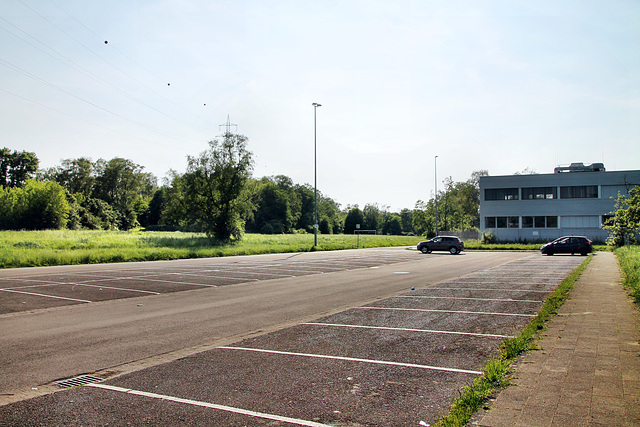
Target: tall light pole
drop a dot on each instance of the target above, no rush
(315, 176)
(435, 168)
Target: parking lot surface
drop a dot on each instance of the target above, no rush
(398, 361)
(37, 288)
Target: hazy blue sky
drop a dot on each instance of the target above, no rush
(496, 85)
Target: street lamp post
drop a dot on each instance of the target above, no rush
(315, 176)
(435, 161)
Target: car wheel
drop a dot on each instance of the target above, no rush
(425, 250)
(453, 250)
(549, 253)
(583, 253)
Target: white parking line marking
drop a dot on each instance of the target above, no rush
(209, 405)
(488, 289)
(235, 271)
(466, 298)
(386, 328)
(446, 311)
(44, 295)
(86, 285)
(182, 283)
(353, 359)
(110, 287)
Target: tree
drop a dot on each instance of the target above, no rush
(277, 206)
(122, 183)
(16, 167)
(392, 225)
(624, 223)
(307, 211)
(372, 217)
(354, 217)
(406, 218)
(216, 183)
(76, 175)
(175, 212)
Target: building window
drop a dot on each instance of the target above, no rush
(579, 192)
(502, 222)
(539, 222)
(581, 221)
(501, 194)
(533, 193)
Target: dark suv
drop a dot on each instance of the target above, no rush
(451, 244)
(568, 245)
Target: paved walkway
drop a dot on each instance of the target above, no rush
(587, 369)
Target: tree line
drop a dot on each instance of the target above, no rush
(216, 194)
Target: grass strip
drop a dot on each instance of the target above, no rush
(629, 261)
(65, 247)
(496, 370)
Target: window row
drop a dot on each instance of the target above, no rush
(536, 193)
(527, 222)
(573, 221)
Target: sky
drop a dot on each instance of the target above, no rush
(496, 85)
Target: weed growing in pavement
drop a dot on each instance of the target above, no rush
(495, 371)
(629, 260)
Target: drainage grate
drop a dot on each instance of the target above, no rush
(78, 381)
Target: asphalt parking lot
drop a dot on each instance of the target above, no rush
(392, 362)
(38, 288)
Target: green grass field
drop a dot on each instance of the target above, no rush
(63, 247)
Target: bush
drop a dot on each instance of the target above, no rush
(35, 206)
(489, 238)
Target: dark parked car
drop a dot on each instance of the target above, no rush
(451, 244)
(568, 245)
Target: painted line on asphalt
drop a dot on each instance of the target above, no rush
(473, 299)
(446, 311)
(110, 287)
(235, 271)
(185, 283)
(45, 295)
(353, 359)
(488, 289)
(386, 328)
(209, 405)
(40, 285)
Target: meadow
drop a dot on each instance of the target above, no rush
(64, 247)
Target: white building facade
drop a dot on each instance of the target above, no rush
(573, 200)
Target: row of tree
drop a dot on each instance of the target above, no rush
(216, 194)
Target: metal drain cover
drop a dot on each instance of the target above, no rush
(78, 381)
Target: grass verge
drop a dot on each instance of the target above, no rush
(496, 370)
(64, 247)
(629, 260)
